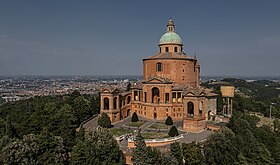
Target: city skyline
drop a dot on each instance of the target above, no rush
(237, 38)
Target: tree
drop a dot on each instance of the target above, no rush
(104, 121)
(167, 159)
(134, 117)
(192, 154)
(220, 149)
(81, 108)
(153, 155)
(95, 104)
(98, 147)
(168, 121)
(139, 153)
(173, 131)
(34, 149)
(176, 152)
(276, 125)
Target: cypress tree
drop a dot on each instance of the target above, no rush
(173, 131)
(168, 121)
(134, 117)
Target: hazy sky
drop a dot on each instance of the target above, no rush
(64, 37)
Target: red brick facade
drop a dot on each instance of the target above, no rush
(170, 88)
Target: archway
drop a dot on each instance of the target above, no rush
(155, 95)
(209, 115)
(115, 103)
(128, 113)
(105, 103)
(128, 99)
(190, 109)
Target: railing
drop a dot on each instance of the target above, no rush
(160, 140)
(81, 125)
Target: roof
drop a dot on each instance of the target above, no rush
(170, 37)
(170, 55)
(194, 90)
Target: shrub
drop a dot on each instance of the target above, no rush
(173, 131)
(134, 117)
(104, 121)
(168, 121)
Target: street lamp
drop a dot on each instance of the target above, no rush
(270, 107)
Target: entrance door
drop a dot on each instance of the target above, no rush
(128, 113)
(155, 113)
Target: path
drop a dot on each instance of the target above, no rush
(146, 125)
(91, 124)
(190, 137)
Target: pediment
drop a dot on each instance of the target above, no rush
(157, 80)
(105, 91)
(190, 94)
(116, 91)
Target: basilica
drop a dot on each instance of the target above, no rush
(170, 87)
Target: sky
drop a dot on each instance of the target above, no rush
(109, 37)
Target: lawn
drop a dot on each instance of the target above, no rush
(154, 135)
(158, 126)
(135, 124)
(119, 131)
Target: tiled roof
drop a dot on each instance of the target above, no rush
(194, 90)
(170, 55)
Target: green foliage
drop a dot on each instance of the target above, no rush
(173, 131)
(104, 121)
(34, 149)
(139, 153)
(176, 152)
(168, 121)
(95, 104)
(192, 154)
(134, 117)
(257, 144)
(220, 149)
(81, 108)
(98, 147)
(167, 159)
(276, 125)
(143, 155)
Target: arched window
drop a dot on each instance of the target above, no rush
(190, 109)
(115, 103)
(200, 108)
(155, 95)
(159, 67)
(106, 103)
(128, 99)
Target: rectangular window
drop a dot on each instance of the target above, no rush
(145, 96)
(179, 96)
(166, 109)
(175, 49)
(166, 97)
(135, 95)
(166, 49)
(173, 97)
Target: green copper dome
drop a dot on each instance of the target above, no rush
(170, 37)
